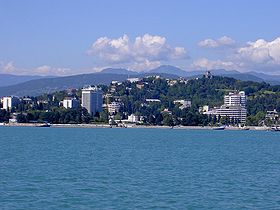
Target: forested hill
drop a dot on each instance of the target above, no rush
(203, 91)
(261, 96)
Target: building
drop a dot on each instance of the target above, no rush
(171, 82)
(151, 100)
(69, 103)
(9, 102)
(134, 79)
(92, 99)
(235, 98)
(114, 107)
(166, 111)
(272, 115)
(140, 85)
(183, 103)
(208, 75)
(133, 118)
(234, 108)
(235, 112)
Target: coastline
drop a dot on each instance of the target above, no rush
(256, 128)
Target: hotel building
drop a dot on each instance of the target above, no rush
(92, 99)
(9, 102)
(234, 107)
(69, 103)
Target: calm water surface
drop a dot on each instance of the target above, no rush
(76, 168)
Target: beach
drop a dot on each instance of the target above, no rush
(257, 128)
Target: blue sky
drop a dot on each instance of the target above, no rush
(58, 36)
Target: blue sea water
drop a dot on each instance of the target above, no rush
(78, 168)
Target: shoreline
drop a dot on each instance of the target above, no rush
(255, 128)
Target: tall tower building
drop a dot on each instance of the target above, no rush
(234, 107)
(92, 99)
(235, 99)
(9, 102)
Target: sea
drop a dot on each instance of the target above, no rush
(141, 168)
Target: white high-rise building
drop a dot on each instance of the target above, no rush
(234, 107)
(9, 102)
(92, 99)
(69, 103)
(235, 99)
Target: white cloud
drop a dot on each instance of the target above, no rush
(215, 43)
(10, 68)
(261, 52)
(48, 70)
(7, 68)
(142, 52)
(260, 55)
(204, 63)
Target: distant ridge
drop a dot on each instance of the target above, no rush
(10, 79)
(118, 71)
(47, 85)
(167, 69)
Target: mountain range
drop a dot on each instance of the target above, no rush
(10, 79)
(36, 85)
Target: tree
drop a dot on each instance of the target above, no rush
(168, 120)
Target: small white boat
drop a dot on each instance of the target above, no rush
(275, 128)
(261, 128)
(219, 128)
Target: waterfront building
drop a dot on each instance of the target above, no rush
(133, 118)
(114, 107)
(92, 99)
(235, 112)
(234, 107)
(69, 103)
(272, 115)
(9, 102)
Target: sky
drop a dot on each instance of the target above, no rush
(66, 37)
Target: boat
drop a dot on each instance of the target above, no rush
(275, 128)
(219, 128)
(261, 128)
(244, 128)
(45, 125)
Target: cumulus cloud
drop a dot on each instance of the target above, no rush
(142, 52)
(215, 43)
(261, 52)
(259, 55)
(204, 63)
